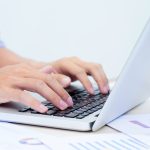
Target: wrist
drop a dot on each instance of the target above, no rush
(34, 63)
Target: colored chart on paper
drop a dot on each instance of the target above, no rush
(140, 124)
(118, 143)
(132, 124)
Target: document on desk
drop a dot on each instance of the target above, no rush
(99, 142)
(132, 124)
(14, 137)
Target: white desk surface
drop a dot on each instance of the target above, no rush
(141, 109)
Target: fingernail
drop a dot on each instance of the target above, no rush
(69, 101)
(43, 108)
(62, 105)
(106, 89)
(91, 90)
(66, 81)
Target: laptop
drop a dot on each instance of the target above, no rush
(90, 113)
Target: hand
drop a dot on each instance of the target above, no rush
(64, 80)
(16, 80)
(78, 69)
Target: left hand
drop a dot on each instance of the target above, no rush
(77, 69)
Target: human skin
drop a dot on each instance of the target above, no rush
(49, 79)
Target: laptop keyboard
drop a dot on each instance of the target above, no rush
(84, 105)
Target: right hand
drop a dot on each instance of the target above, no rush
(17, 80)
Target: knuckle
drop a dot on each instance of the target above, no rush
(40, 83)
(51, 79)
(52, 75)
(80, 72)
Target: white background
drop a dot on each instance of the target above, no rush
(103, 31)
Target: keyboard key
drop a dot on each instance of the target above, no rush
(84, 104)
(78, 111)
(94, 109)
(85, 114)
(90, 111)
(51, 112)
(59, 114)
(50, 106)
(100, 106)
(25, 109)
(80, 116)
(34, 112)
(71, 115)
(64, 112)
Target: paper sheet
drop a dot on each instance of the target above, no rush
(132, 124)
(99, 142)
(14, 137)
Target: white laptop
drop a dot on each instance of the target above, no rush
(90, 113)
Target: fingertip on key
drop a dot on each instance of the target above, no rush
(70, 102)
(43, 108)
(62, 105)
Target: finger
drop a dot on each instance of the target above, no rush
(62, 79)
(52, 83)
(97, 72)
(83, 78)
(65, 81)
(28, 100)
(80, 74)
(42, 88)
(48, 69)
(58, 88)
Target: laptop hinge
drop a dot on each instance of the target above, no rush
(91, 124)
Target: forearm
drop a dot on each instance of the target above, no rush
(8, 57)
